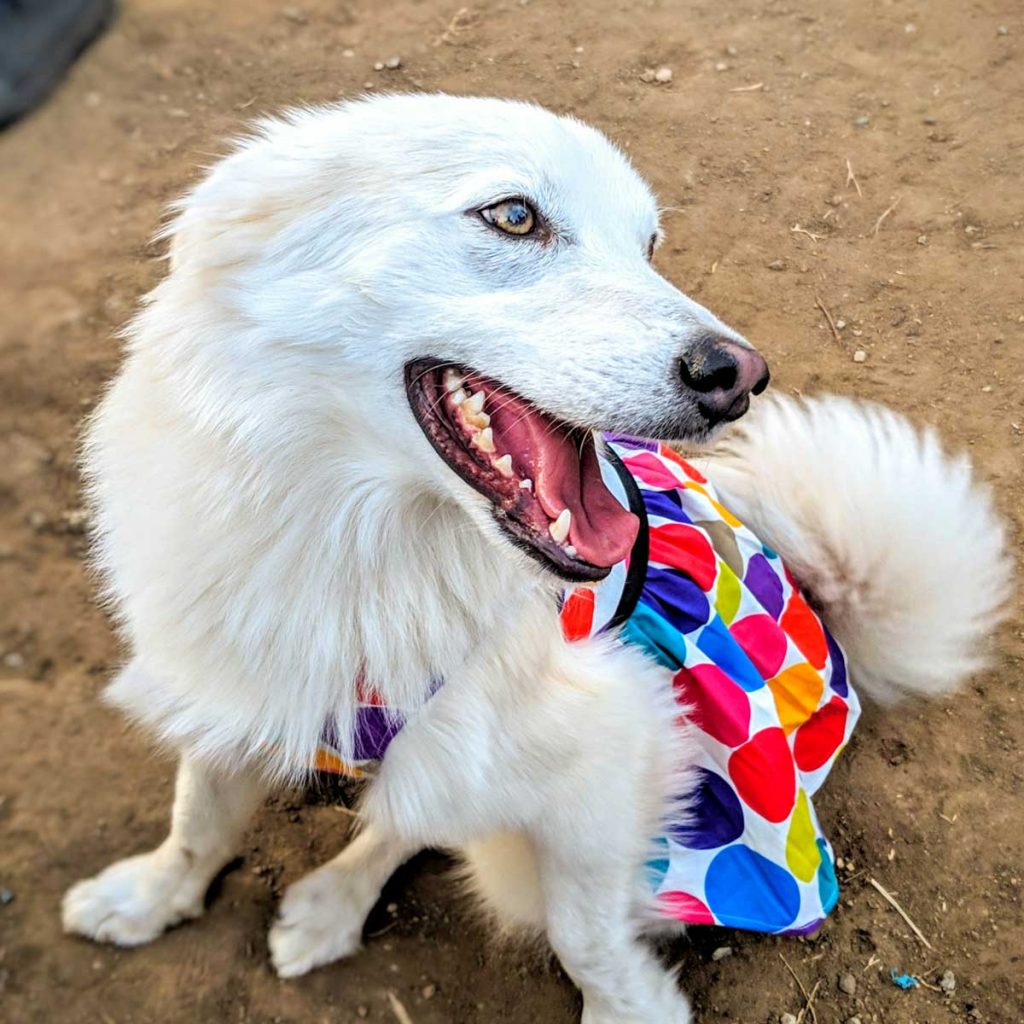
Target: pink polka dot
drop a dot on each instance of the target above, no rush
(818, 739)
(763, 773)
(718, 705)
(648, 468)
(683, 907)
(763, 641)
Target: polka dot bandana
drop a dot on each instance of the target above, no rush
(768, 691)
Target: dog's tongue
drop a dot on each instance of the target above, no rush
(566, 477)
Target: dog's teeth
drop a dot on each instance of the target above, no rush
(458, 396)
(504, 465)
(526, 484)
(479, 420)
(559, 529)
(452, 380)
(484, 440)
(474, 404)
(570, 551)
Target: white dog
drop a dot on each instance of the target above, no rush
(294, 503)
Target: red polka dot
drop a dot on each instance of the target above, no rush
(718, 705)
(683, 907)
(675, 457)
(805, 628)
(578, 614)
(763, 773)
(762, 640)
(821, 735)
(684, 547)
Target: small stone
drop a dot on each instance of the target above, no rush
(731, 51)
(348, 53)
(853, 1020)
(863, 121)
(947, 982)
(378, 66)
(787, 1018)
(428, 991)
(362, 1011)
(663, 75)
(987, 389)
(922, 239)
(721, 953)
(1003, 30)
(393, 63)
(721, 66)
(14, 660)
(296, 14)
(777, 265)
(848, 984)
(840, 324)
(930, 120)
(38, 521)
(6, 896)
(647, 75)
(860, 356)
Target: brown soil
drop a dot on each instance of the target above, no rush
(928, 799)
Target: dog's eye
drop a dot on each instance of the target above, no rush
(513, 216)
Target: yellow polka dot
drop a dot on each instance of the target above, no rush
(729, 593)
(797, 691)
(802, 853)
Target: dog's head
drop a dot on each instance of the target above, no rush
(465, 286)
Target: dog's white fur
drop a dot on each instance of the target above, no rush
(271, 522)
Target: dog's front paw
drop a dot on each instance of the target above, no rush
(320, 921)
(133, 901)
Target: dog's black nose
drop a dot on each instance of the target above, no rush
(724, 373)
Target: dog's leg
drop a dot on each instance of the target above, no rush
(321, 916)
(134, 900)
(583, 761)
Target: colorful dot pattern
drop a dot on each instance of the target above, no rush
(758, 674)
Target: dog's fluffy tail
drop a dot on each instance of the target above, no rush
(895, 540)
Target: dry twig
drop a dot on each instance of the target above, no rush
(797, 230)
(850, 176)
(891, 900)
(828, 316)
(808, 996)
(748, 88)
(885, 213)
(455, 26)
(400, 1012)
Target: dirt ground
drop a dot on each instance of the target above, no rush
(865, 156)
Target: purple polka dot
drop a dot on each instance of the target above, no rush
(764, 583)
(838, 678)
(715, 816)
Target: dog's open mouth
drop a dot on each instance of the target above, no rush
(541, 475)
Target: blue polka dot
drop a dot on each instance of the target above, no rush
(828, 887)
(721, 648)
(657, 866)
(655, 637)
(666, 504)
(746, 890)
(715, 816)
(677, 598)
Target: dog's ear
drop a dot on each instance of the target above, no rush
(245, 200)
